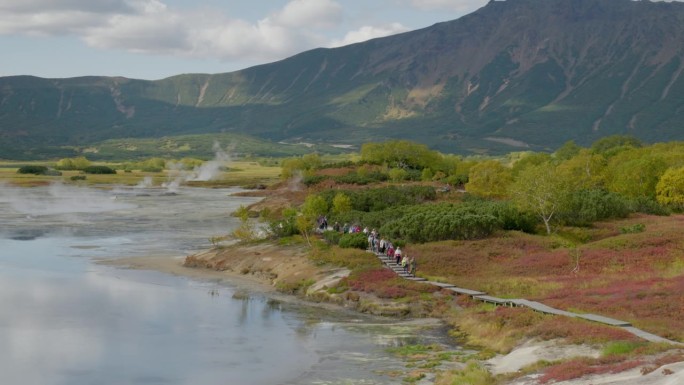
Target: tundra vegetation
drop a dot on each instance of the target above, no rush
(593, 230)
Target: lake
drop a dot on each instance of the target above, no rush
(65, 319)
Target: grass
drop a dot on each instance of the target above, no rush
(241, 173)
(473, 374)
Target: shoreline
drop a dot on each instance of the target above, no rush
(173, 265)
(528, 353)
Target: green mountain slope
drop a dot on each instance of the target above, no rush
(514, 74)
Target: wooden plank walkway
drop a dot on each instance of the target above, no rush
(536, 306)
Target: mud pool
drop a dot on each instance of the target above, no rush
(65, 319)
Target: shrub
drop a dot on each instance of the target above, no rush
(99, 170)
(648, 206)
(635, 228)
(332, 237)
(382, 198)
(587, 206)
(472, 219)
(356, 240)
(37, 170)
(78, 177)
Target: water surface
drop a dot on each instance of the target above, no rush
(67, 320)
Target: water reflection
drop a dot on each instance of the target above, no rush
(65, 320)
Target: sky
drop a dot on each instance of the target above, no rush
(155, 39)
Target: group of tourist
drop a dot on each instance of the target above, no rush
(376, 244)
(379, 245)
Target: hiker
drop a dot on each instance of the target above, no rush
(397, 255)
(383, 245)
(405, 264)
(390, 251)
(336, 227)
(345, 228)
(413, 265)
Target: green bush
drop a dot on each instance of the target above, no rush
(78, 177)
(37, 170)
(588, 206)
(378, 199)
(636, 228)
(356, 240)
(471, 219)
(311, 180)
(332, 237)
(648, 206)
(99, 170)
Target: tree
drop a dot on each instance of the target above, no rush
(489, 179)
(635, 173)
(530, 159)
(426, 175)
(539, 190)
(304, 165)
(314, 206)
(341, 204)
(401, 154)
(670, 188)
(585, 170)
(568, 150)
(246, 231)
(613, 144)
(398, 174)
(78, 163)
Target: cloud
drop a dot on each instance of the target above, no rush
(153, 27)
(368, 32)
(312, 13)
(451, 5)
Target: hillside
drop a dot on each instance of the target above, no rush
(516, 74)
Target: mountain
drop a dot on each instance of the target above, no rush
(515, 74)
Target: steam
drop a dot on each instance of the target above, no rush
(295, 183)
(145, 183)
(209, 170)
(60, 199)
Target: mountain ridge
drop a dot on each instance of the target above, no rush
(515, 74)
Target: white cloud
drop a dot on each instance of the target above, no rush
(452, 5)
(155, 27)
(368, 32)
(152, 27)
(309, 13)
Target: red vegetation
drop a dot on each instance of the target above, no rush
(633, 277)
(384, 283)
(585, 366)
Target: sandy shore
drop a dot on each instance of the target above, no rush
(174, 266)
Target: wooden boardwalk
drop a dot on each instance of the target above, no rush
(536, 306)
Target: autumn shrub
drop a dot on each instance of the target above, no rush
(384, 283)
(580, 367)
